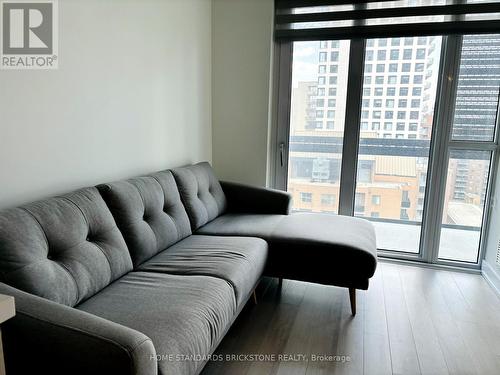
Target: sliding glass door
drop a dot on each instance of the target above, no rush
(424, 120)
(398, 99)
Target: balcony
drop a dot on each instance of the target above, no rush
(457, 242)
(397, 172)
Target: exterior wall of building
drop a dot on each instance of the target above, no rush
(398, 85)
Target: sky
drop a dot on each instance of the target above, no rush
(305, 62)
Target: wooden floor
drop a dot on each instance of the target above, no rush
(412, 320)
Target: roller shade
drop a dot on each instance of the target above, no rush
(322, 19)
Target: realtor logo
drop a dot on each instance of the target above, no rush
(29, 35)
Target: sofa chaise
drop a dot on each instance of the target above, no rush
(145, 276)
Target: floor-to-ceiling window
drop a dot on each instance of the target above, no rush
(471, 147)
(317, 114)
(398, 98)
(423, 116)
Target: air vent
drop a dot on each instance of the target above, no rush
(498, 254)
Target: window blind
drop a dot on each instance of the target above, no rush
(330, 19)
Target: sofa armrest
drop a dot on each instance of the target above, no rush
(256, 200)
(49, 338)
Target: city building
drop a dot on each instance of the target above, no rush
(397, 112)
(400, 78)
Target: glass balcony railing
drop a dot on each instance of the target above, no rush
(385, 167)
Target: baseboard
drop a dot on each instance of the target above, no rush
(491, 275)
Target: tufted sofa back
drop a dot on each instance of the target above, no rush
(64, 249)
(201, 193)
(149, 212)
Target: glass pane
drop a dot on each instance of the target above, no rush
(466, 185)
(319, 85)
(399, 91)
(478, 88)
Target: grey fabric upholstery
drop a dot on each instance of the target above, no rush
(149, 212)
(49, 338)
(248, 225)
(328, 249)
(256, 200)
(64, 249)
(98, 316)
(201, 193)
(183, 315)
(238, 260)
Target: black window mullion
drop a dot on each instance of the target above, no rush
(350, 148)
(438, 162)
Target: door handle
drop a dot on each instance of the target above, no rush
(282, 151)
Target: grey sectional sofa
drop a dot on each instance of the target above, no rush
(145, 276)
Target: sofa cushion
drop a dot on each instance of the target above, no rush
(253, 225)
(201, 193)
(64, 249)
(183, 315)
(329, 249)
(238, 260)
(149, 212)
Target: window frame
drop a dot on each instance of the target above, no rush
(440, 147)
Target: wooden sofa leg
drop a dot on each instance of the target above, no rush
(254, 297)
(352, 297)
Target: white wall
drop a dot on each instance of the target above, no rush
(132, 95)
(241, 65)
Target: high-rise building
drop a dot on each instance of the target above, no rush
(303, 107)
(474, 119)
(399, 86)
(477, 88)
(398, 99)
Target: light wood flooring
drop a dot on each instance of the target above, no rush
(412, 320)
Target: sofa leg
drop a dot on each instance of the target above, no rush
(280, 282)
(352, 297)
(254, 297)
